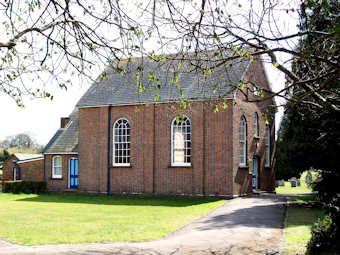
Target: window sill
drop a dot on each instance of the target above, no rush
(180, 166)
(56, 178)
(121, 166)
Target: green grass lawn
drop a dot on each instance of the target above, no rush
(46, 219)
(287, 189)
(298, 228)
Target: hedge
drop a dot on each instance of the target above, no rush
(27, 187)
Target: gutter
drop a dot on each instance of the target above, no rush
(109, 152)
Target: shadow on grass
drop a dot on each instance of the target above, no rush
(116, 200)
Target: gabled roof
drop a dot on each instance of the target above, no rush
(65, 139)
(118, 89)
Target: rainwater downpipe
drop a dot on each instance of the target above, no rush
(109, 152)
(44, 168)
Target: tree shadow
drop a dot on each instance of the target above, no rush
(252, 215)
(117, 200)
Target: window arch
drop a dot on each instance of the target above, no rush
(57, 170)
(256, 125)
(121, 143)
(181, 141)
(243, 141)
(267, 147)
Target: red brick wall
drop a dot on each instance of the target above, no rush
(57, 185)
(242, 179)
(7, 169)
(211, 168)
(32, 170)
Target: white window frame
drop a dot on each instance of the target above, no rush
(126, 145)
(267, 147)
(55, 166)
(186, 141)
(256, 125)
(14, 173)
(243, 141)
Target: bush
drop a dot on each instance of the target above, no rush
(324, 238)
(27, 187)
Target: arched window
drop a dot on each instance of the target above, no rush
(181, 142)
(243, 141)
(267, 147)
(256, 125)
(57, 170)
(121, 143)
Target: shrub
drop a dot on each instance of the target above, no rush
(324, 238)
(28, 187)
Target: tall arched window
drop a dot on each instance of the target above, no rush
(267, 147)
(57, 170)
(243, 141)
(181, 142)
(121, 143)
(256, 125)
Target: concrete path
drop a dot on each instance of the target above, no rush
(249, 225)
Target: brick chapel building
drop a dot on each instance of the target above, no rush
(120, 141)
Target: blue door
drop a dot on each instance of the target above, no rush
(254, 173)
(73, 173)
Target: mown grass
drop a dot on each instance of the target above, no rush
(52, 218)
(302, 189)
(304, 199)
(298, 228)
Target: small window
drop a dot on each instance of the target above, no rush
(267, 147)
(121, 143)
(57, 167)
(243, 141)
(256, 125)
(181, 142)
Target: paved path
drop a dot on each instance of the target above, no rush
(249, 225)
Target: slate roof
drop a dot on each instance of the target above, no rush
(65, 139)
(120, 89)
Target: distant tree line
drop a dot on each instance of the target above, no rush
(23, 143)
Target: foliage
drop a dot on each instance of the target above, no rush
(28, 187)
(20, 141)
(298, 228)
(57, 218)
(51, 42)
(4, 155)
(325, 238)
(311, 131)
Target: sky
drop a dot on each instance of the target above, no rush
(40, 118)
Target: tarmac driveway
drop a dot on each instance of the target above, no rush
(247, 225)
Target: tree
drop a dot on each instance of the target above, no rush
(20, 141)
(53, 41)
(310, 134)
